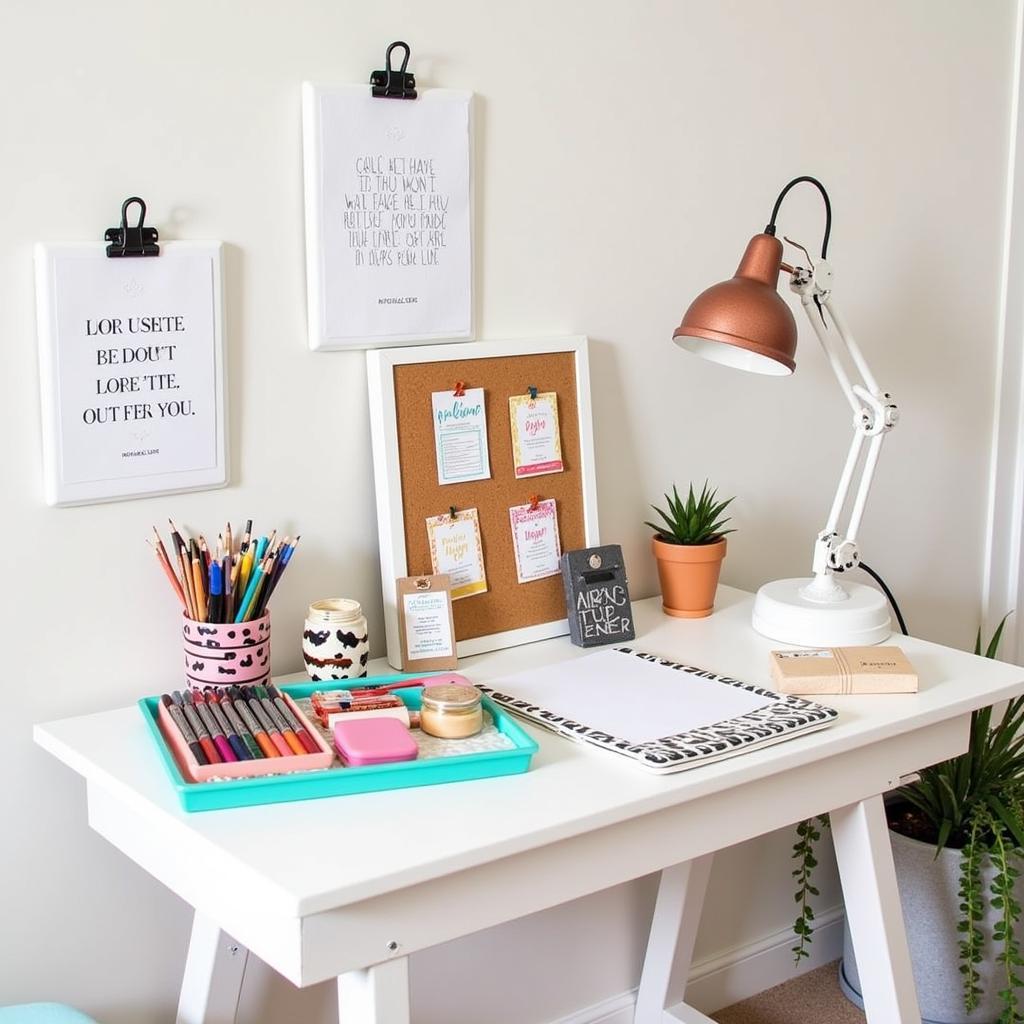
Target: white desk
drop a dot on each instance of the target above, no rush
(413, 868)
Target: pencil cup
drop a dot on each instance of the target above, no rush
(227, 653)
(335, 642)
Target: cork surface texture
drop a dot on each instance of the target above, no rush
(507, 604)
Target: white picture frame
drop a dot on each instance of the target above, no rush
(164, 457)
(445, 303)
(387, 471)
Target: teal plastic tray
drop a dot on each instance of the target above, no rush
(271, 789)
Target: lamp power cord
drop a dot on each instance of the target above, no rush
(888, 594)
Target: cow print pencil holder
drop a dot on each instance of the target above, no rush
(227, 653)
(335, 642)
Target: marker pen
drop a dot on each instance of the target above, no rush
(184, 730)
(279, 720)
(226, 727)
(267, 722)
(209, 747)
(259, 734)
(223, 747)
(239, 726)
(300, 730)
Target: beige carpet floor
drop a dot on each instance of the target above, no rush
(813, 998)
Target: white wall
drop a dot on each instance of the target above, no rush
(626, 151)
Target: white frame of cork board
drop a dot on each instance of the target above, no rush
(380, 365)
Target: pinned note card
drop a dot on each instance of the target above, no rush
(536, 541)
(536, 445)
(460, 435)
(425, 623)
(388, 216)
(131, 356)
(456, 549)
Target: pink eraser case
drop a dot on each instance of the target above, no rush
(373, 741)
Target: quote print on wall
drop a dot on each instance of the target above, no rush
(388, 217)
(131, 361)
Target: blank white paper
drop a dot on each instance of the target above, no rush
(626, 696)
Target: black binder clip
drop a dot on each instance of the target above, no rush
(398, 85)
(136, 241)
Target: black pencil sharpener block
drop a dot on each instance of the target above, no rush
(597, 596)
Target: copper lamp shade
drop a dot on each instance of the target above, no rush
(744, 322)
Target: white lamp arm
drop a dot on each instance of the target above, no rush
(874, 415)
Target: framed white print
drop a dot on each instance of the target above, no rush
(401, 384)
(131, 371)
(389, 216)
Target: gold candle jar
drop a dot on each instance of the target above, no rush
(451, 711)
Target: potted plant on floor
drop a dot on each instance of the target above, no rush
(957, 838)
(689, 549)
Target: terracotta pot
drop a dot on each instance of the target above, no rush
(689, 576)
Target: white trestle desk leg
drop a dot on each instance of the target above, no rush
(213, 975)
(680, 900)
(375, 995)
(873, 910)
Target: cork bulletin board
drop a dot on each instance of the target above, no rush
(401, 383)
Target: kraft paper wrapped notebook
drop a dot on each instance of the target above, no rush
(843, 670)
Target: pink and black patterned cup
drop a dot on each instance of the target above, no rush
(227, 653)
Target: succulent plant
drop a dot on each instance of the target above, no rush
(694, 521)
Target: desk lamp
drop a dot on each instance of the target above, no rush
(745, 323)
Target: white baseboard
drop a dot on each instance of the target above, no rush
(614, 1010)
(734, 975)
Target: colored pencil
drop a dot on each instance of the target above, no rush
(200, 589)
(286, 557)
(161, 553)
(228, 592)
(161, 557)
(248, 604)
(213, 613)
(221, 585)
(186, 570)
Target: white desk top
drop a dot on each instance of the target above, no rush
(313, 855)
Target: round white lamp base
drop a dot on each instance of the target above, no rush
(782, 612)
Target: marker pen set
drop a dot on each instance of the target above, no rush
(241, 723)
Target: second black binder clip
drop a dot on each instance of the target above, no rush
(136, 241)
(392, 84)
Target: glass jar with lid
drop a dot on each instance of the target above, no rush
(451, 711)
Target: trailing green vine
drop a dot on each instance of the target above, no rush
(972, 908)
(803, 853)
(1004, 931)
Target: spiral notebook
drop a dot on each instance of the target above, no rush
(665, 716)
